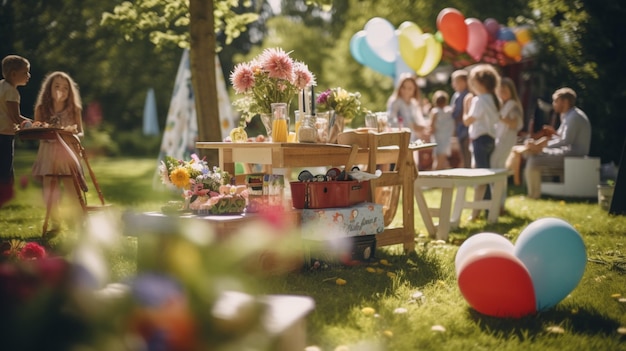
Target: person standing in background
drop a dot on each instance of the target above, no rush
(510, 123)
(59, 105)
(459, 84)
(16, 72)
(482, 117)
(442, 129)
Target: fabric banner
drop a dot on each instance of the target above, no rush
(181, 127)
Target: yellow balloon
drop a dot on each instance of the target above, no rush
(512, 49)
(411, 45)
(433, 54)
(522, 35)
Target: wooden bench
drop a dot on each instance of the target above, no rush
(459, 178)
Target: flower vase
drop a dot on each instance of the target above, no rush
(266, 118)
(335, 125)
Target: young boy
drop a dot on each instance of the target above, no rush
(16, 72)
(459, 84)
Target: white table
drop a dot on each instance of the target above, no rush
(459, 178)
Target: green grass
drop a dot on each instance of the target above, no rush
(589, 316)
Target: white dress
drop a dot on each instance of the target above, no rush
(506, 137)
(444, 130)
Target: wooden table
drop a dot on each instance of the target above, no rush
(293, 155)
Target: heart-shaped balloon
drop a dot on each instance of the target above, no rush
(496, 283)
(477, 38)
(451, 24)
(495, 276)
(364, 55)
(478, 242)
(554, 254)
(433, 54)
(411, 45)
(381, 38)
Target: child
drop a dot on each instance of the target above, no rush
(16, 72)
(442, 128)
(481, 119)
(59, 105)
(461, 91)
(511, 122)
(403, 110)
(403, 107)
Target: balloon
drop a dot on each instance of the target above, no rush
(496, 283)
(492, 26)
(512, 49)
(555, 256)
(522, 35)
(477, 38)
(478, 242)
(401, 67)
(530, 49)
(411, 45)
(354, 46)
(381, 38)
(451, 24)
(371, 60)
(433, 54)
(506, 34)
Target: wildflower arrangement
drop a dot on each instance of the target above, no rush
(271, 77)
(344, 103)
(193, 176)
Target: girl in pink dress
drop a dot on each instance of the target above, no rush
(58, 106)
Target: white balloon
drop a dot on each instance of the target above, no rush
(478, 242)
(381, 38)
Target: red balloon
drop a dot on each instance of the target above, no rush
(496, 283)
(451, 24)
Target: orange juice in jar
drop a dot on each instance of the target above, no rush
(280, 125)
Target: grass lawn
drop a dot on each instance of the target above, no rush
(399, 301)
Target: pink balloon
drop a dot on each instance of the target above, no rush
(492, 26)
(477, 38)
(496, 283)
(451, 24)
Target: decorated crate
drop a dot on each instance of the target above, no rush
(340, 251)
(329, 194)
(341, 235)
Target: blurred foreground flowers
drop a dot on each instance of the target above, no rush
(178, 298)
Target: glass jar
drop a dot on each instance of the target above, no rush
(307, 133)
(280, 122)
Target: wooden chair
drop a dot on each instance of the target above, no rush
(396, 178)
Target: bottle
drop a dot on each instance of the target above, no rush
(280, 123)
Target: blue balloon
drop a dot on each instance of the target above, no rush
(371, 59)
(554, 254)
(354, 46)
(506, 34)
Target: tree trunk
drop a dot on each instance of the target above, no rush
(203, 80)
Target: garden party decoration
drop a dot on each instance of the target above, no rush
(391, 51)
(500, 279)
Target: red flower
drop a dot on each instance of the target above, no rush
(32, 251)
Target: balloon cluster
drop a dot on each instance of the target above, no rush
(390, 51)
(487, 41)
(500, 279)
